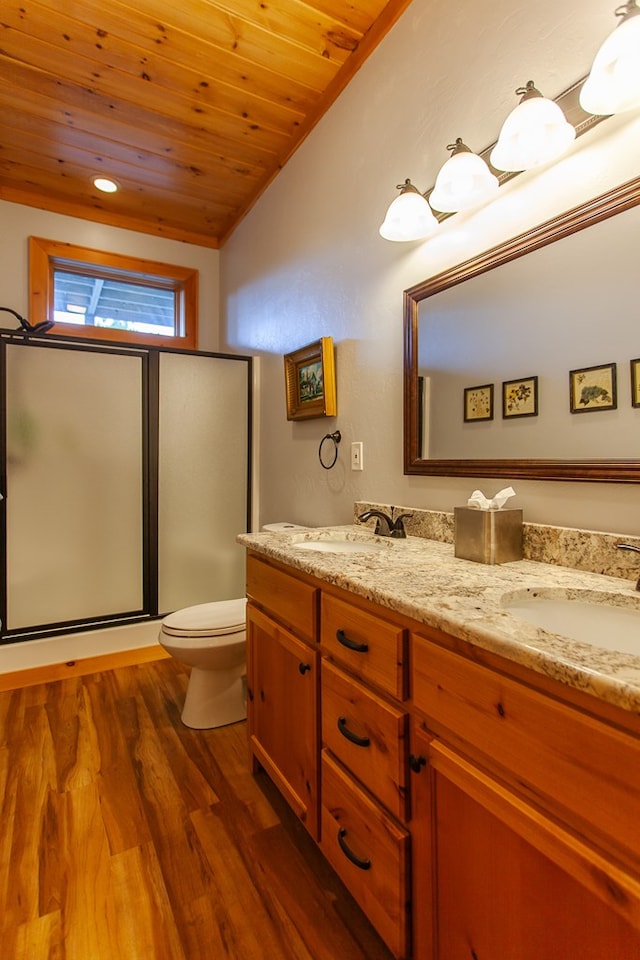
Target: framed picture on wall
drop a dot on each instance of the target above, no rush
(478, 403)
(593, 388)
(635, 383)
(310, 381)
(520, 398)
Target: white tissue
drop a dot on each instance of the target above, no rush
(480, 502)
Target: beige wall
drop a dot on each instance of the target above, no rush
(308, 262)
(18, 223)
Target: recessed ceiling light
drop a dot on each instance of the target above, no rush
(106, 185)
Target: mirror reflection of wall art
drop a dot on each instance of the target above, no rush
(478, 403)
(593, 388)
(520, 398)
(635, 383)
(310, 381)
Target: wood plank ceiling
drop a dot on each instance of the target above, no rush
(193, 106)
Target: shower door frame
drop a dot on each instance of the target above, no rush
(150, 413)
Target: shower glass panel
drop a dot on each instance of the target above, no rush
(202, 478)
(74, 484)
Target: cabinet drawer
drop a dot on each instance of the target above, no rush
(369, 851)
(368, 735)
(375, 649)
(583, 769)
(293, 602)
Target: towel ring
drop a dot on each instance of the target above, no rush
(336, 438)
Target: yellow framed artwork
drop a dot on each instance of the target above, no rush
(310, 381)
(635, 383)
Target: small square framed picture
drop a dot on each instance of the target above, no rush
(478, 403)
(520, 398)
(635, 382)
(593, 388)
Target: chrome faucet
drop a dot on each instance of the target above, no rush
(392, 528)
(630, 546)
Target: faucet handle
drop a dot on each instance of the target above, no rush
(397, 530)
(633, 548)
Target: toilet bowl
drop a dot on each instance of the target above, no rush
(211, 639)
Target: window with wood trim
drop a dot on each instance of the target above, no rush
(110, 296)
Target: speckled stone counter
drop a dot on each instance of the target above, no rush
(423, 580)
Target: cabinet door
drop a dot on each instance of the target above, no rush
(421, 845)
(586, 772)
(283, 679)
(512, 885)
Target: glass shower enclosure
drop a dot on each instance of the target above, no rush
(125, 476)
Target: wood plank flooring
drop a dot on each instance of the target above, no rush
(126, 836)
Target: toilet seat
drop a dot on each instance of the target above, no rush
(217, 619)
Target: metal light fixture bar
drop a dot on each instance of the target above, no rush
(569, 102)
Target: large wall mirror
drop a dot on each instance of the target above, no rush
(551, 311)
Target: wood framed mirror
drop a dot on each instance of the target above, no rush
(544, 305)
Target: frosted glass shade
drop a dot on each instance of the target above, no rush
(535, 133)
(613, 85)
(464, 181)
(409, 217)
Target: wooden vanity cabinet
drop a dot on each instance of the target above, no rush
(510, 830)
(283, 680)
(525, 820)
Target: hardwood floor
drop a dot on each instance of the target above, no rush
(126, 836)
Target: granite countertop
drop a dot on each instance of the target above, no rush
(422, 579)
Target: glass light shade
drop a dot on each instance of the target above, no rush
(535, 133)
(464, 182)
(613, 85)
(409, 217)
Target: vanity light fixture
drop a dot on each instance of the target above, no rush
(535, 132)
(463, 182)
(613, 84)
(105, 184)
(409, 216)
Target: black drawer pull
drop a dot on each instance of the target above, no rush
(362, 864)
(353, 737)
(416, 763)
(351, 644)
(303, 667)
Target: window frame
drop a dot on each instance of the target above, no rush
(45, 256)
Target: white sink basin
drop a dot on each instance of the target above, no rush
(602, 624)
(341, 546)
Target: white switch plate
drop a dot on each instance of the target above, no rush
(356, 455)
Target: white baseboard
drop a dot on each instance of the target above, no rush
(27, 654)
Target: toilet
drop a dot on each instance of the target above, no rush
(211, 639)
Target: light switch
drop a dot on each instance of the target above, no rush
(356, 455)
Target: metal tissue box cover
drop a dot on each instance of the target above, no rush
(487, 536)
